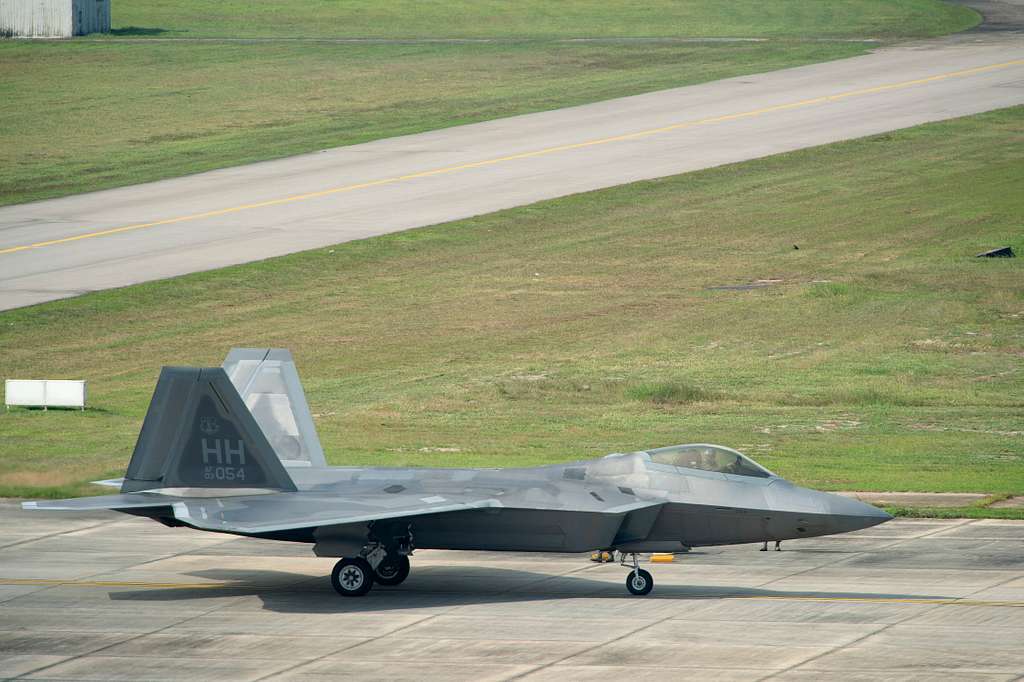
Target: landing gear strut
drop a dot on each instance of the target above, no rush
(638, 581)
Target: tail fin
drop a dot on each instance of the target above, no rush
(269, 385)
(199, 434)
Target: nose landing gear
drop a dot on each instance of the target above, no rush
(639, 582)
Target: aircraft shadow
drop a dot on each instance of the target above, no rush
(135, 31)
(449, 586)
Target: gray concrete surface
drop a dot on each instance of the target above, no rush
(64, 247)
(121, 598)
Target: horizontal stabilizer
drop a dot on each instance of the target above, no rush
(115, 502)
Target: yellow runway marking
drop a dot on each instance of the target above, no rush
(951, 601)
(43, 582)
(525, 155)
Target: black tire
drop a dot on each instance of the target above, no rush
(639, 583)
(392, 571)
(352, 577)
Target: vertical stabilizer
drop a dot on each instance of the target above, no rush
(268, 382)
(199, 434)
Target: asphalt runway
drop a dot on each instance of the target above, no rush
(113, 597)
(64, 247)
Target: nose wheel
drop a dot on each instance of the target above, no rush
(639, 582)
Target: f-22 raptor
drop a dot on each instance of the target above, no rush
(233, 449)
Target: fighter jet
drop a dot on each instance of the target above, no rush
(233, 449)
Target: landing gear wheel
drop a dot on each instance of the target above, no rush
(639, 582)
(352, 577)
(392, 571)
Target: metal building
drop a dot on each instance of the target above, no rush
(53, 18)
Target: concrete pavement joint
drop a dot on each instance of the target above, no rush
(125, 641)
(839, 647)
(84, 581)
(952, 602)
(58, 534)
(549, 664)
(447, 611)
(42, 632)
(349, 647)
(854, 555)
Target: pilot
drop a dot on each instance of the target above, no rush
(707, 461)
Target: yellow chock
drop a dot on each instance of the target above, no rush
(661, 558)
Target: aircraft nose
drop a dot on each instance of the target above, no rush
(854, 513)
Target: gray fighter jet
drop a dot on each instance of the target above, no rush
(233, 449)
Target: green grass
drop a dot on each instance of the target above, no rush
(539, 19)
(668, 393)
(106, 111)
(976, 510)
(887, 357)
(956, 513)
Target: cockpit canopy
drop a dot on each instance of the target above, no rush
(708, 458)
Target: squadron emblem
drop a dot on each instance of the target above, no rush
(209, 425)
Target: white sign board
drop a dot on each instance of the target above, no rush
(44, 393)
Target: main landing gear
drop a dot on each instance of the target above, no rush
(354, 576)
(638, 581)
(385, 562)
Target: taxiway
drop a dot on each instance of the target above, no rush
(64, 247)
(114, 597)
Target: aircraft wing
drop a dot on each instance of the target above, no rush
(281, 511)
(291, 511)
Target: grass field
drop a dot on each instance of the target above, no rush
(172, 92)
(879, 355)
(539, 19)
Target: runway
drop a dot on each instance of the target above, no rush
(64, 247)
(122, 598)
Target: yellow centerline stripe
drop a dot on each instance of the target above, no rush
(106, 583)
(524, 155)
(939, 601)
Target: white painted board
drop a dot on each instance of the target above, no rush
(45, 393)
